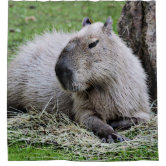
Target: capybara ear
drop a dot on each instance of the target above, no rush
(86, 21)
(108, 26)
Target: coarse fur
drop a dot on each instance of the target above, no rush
(90, 75)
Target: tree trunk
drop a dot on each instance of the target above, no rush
(137, 27)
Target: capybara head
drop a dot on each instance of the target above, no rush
(85, 61)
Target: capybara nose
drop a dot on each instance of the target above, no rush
(64, 75)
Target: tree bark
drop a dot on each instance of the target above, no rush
(137, 27)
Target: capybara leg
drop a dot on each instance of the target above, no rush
(124, 123)
(101, 129)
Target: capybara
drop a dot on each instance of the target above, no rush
(90, 75)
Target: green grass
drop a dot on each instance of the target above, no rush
(25, 152)
(66, 16)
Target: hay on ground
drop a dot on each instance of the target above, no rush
(59, 131)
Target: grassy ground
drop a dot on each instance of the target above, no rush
(34, 136)
(65, 16)
(24, 152)
(29, 18)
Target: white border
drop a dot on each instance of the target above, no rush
(3, 82)
(161, 63)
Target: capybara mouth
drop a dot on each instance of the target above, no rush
(74, 87)
(68, 85)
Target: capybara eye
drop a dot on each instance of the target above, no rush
(91, 45)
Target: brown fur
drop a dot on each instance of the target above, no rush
(108, 84)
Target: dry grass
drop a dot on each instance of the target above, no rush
(59, 131)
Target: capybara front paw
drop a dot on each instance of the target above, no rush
(108, 139)
(113, 138)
